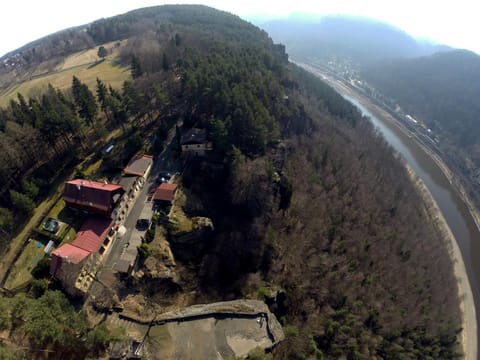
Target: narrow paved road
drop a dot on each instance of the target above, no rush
(163, 162)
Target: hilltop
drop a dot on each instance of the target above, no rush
(306, 204)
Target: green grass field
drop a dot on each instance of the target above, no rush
(84, 65)
(31, 253)
(21, 272)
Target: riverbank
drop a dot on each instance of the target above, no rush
(468, 336)
(381, 113)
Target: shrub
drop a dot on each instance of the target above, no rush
(258, 354)
(6, 219)
(38, 287)
(22, 203)
(143, 250)
(150, 235)
(42, 269)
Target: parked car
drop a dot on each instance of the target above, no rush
(165, 175)
(143, 224)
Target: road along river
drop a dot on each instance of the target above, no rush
(466, 250)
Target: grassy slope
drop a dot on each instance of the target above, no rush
(82, 64)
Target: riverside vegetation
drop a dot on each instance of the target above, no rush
(436, 84)
(442, 91)
(308, 201)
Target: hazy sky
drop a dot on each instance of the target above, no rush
(450, 22)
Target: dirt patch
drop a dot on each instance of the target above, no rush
(161, 258)
(241, 345)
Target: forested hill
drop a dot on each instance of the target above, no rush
(312, 212)
(358, 40)
(443, 90)
(55, 47)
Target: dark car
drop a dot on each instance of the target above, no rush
(165, 174)
(143, 224)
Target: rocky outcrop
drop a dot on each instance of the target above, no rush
(201, 227)
(235, 308)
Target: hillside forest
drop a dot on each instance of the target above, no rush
(441, 90)
(308, 201)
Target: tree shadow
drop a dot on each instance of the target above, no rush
(96, 63)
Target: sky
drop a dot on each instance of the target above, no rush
(453, 23)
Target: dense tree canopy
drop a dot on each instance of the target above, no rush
(304, 195)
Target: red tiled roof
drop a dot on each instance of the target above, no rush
(138, 165)
(165, 192)
(91, 195)
(72, 253)
(92, 234)
(95, 185)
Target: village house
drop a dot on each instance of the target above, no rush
(75, 264)
(95, 235)
(93, 197)
(135, 174)
(66, 265)
(139, 165)
(195, 142)
(165, 193)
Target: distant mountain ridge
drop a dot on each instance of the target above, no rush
(360, 40)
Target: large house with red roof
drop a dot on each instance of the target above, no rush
(93, 234)
(75, 264)
(92, 196)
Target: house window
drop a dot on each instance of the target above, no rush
(102, 250)
(198, 146)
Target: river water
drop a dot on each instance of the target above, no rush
(449, 201)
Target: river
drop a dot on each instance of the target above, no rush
(449, 201)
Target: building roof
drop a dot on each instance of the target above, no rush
(71, 253)
(138, 165)
(127, 182)
(194, 136)
(165, 192)
(92, 234)
(91, 194)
